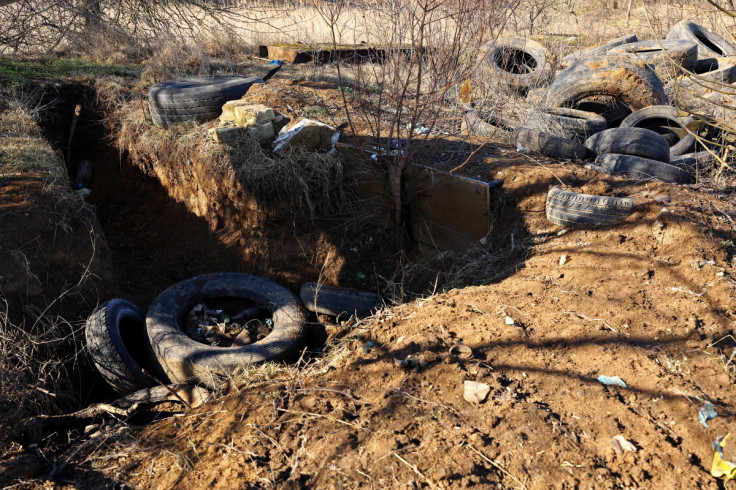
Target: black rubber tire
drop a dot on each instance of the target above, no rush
(717, 69)
(639, 167)
(665, 120)
(195, 98)
(710, 44)
(667, 55)
(184, 360)
(485, 125)
(108, 329)
(694, 161)
(599, 50)
(550, 145)
(329, 300)
(628, 82)
(567, 208)
(522, 63)
(609, 108)
(630, 141)
(564, 122)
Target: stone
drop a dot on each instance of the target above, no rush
(244, 113)
(231, 135)
(475, 392)
(309, 134)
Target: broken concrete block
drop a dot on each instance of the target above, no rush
(263, 132)
(309, 134)
(244, 113)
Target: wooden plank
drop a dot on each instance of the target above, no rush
(448, 212)
(325, 53)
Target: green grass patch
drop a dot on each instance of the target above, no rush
(22, 72)
(314, 110)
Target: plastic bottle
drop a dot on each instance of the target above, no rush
(84, 174)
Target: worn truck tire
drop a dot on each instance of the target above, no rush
(630, 141)
(564, 122)
(522, 63)
(486, 125)
(184, 360)
(639, 167)
(329, 300)
(628, 82)
(550, 145)
(567, 208)
(667, 55)
(195, 98)
(599, 50)
(710, 44)
(665, 120)
(694, 161)
(116, 339)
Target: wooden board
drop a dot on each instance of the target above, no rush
(324, 53)
(448, 211)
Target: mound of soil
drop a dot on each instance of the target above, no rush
(652, 301)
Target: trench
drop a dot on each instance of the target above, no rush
(154, 241)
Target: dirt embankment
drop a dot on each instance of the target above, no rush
(652, 301)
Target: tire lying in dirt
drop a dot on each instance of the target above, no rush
(692, 162)
(668, 55)
(183, 359)
(628, 82)
(520, 62)
(710, 44)
(710, 75)
(639, 167)
(485, 125)
(550, 145)
(665, 120)
(113, 331)
(630, 141)
(329, 300)
(576, 56)
(566, 208)
(564, 122)
(195, 98)
(609, 108)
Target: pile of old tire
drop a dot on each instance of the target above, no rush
(615, 84)
(195, 98)
(635, 152)
(133, 351)
(565, 208)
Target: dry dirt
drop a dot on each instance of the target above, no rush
(652, 301)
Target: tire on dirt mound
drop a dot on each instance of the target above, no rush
(486, 125)
(692, 162)
(630, 141)
(665, 120)
(634, 166)
(183, 359)
(624, 80)
(564, 122)
(195, 98)
(567, 208)
(668, 55)
(710, 44)
(329, 300)
(550, 145)
(599, 50)
(115, 331)
(520, 62)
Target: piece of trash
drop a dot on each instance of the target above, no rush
(612, 381)
(521, 148)
(83, 192)
(367, 346)
(420, 128)
(276, 62)
(476, 392)
(563, 259)
(403, 362)
(620, 445)
(360, 275)
(720, 466)
(462, 351)
(509, 320)
(707, 412)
